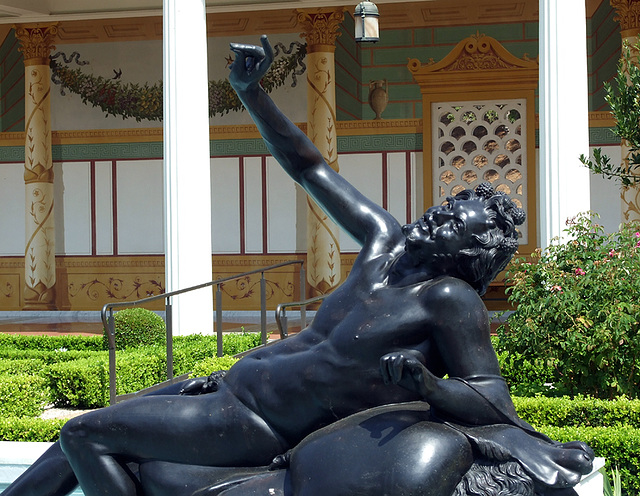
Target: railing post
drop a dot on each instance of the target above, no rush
(218, 320)
(284, 320)
(303, 291)
(111, 335)
(263, 308)
(168, 312)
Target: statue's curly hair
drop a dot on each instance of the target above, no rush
(486, 478)
(495, 248)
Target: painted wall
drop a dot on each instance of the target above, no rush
(603, 51)
(140, 62)
(11, 86)
(388, 59)
(109, 195)
(115, 207)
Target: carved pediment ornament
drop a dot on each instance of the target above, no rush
(475, 53)
(628, 14)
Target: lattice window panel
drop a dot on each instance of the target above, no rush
(474, 142)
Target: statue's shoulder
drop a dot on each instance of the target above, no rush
(449, 291)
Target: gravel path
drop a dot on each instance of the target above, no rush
(61, 413)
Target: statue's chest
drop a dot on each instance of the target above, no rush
(380, 321)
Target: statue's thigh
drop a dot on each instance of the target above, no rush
(425, 458)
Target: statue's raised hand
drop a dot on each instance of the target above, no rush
(250, 65)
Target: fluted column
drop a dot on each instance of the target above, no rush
(629, 18)
(36, 43)
(321, 28)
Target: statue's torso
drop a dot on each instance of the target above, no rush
(331, 369)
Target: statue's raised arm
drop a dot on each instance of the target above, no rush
(355, 213)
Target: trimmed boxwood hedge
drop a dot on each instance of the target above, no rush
(22, 394)
(619, 445)
(208, 365)
(31, 430)
(79, 378)
(134, 327)
(50, 343)
(579, 411)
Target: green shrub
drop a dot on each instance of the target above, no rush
(22, 395)
(189, 350)
(212, 364)
(619, 445)
(51, 343)
(137, 370)
(30, 429)
(80, 379)
(48, 357)
(28, 366)
(85, 383)
(135, 327)
(580, 411)
(80, 383)
(235, 343)
(577, 311)
(528, 377)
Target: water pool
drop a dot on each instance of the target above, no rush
(16, 457)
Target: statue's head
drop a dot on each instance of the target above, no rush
(472, 236)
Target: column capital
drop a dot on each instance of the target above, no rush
(321, 28)
(36, 41)
(628, 15)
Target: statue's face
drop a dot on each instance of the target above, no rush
(446, 229)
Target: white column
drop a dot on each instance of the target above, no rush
(187, 164)
(564, 125)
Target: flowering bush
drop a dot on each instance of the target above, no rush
(577, 311)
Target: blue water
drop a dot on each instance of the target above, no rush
(9, 472)
(77, 492)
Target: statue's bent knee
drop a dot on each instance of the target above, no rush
(75, 435)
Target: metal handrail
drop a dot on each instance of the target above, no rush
(109, 324)
(281, 313)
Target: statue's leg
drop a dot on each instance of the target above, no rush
(273, 484)
(214, 429)
(50, 475)
(174, 479)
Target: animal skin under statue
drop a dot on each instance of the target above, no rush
(357, 403)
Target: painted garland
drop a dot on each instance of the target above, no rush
(144, 101)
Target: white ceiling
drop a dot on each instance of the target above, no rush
(30, 11)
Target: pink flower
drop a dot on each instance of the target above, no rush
(556, 289)
(612, 253)
(637, 235)
(580, 272)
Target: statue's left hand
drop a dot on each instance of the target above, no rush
(203, 385)
(407, 371)
(250, 65)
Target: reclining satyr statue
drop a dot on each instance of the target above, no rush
(355, 404)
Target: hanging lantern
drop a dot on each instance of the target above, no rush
(366, 19)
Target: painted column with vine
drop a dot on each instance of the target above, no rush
(36, 43)
(628, 15)
(321, 28)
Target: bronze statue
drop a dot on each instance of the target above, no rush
(408, 314)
